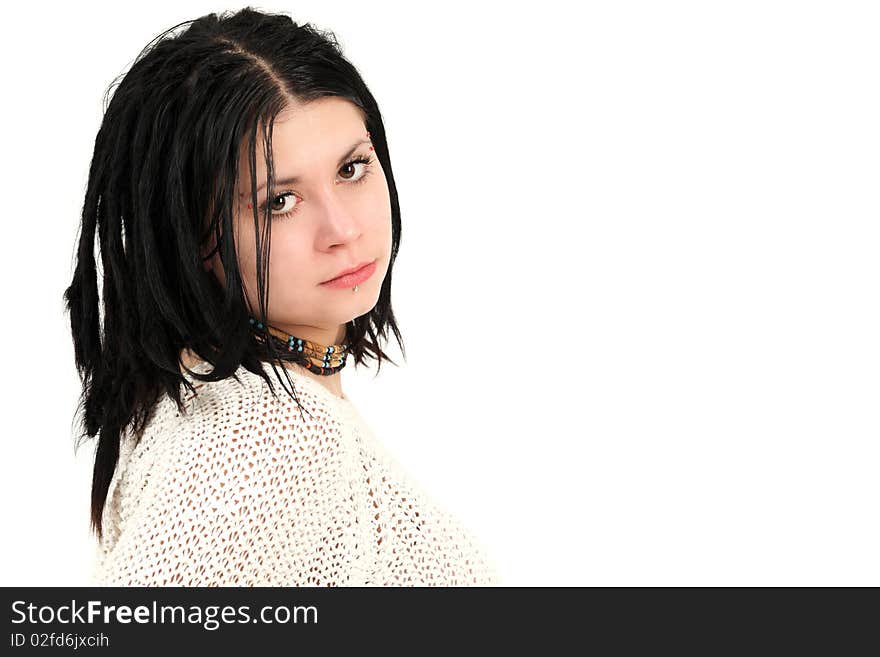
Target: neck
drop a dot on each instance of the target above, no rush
(317, 334)
(333, 382)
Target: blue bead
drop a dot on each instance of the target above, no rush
(330, 349)
(300, 348)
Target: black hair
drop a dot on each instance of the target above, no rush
(178, 118)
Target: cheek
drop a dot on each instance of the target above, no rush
(290, 263)
(379, 213)
(245, 248)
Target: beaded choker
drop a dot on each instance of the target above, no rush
(317, 358)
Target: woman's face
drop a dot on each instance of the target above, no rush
(334, 216)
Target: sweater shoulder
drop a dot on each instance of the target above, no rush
(242, 488)
(246, 401)
(242, 413)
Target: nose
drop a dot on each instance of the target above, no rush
(338, 219)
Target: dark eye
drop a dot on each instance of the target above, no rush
(352, 164)
(281, 204)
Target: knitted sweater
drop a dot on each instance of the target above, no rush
(245, 490)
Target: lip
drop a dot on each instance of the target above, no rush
(353, 275)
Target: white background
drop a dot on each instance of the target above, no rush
(638, 279)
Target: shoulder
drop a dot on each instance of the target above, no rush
(239, 421)
(243, 489)
(245, 396)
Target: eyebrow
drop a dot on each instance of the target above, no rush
(290, 180)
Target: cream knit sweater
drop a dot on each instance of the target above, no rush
(243, 490)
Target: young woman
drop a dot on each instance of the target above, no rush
(242, 131)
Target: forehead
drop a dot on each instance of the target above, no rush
(308, 133)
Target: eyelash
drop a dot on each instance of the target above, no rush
(365, 160)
